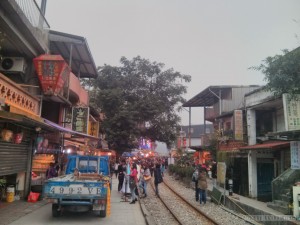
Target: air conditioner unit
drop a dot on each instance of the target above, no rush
(13, 65)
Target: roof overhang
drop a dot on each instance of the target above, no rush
(267, 146)
(75, 50)
(207, 97)
(18, 119)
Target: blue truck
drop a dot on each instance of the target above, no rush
(83, 192)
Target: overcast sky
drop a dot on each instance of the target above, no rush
(214, 41)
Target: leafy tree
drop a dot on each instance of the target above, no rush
(282, 72)
(139, 99)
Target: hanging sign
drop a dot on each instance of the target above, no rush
(295, 154)
(80, 118)
(53, 73)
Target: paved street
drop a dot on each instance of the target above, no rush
(121, 213)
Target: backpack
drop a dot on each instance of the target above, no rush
(195, 176)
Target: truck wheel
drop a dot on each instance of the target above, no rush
(55, 211)
(102, 213)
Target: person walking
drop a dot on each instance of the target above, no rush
(157, 178)
(195, 178)
(144, 178)
(133, 183)
(116, 169)
(202, 185)
(121, 174)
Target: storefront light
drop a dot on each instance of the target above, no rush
(69, 150)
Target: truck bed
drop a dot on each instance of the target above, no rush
(69, 187)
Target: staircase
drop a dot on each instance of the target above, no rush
(282, 190)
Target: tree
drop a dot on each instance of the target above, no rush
(139, 99)
(282, 72)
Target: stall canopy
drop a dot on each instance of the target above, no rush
(66, 130)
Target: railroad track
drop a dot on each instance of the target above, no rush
(178, 207)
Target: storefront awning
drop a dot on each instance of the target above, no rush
(267, 146)
(66, 130)
(22, 120)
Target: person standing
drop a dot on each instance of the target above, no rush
(51, 171)
(202, 185)
(157, 178)
(116, 169)
(121, 174)
(144, 178)
(133, 183)
(195, 178)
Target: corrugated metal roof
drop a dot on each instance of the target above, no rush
(268, 145)
(82, 62)
(211, 95)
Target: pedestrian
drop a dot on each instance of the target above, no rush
(195, 178)
(133, 183)
(51, 171)
(116, 169)
(151, 167)
(157, 178)
(202, 185)
(144, 178)
(162, 168)
(121, 174)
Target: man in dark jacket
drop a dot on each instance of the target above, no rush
(121, 169)
(157, 178)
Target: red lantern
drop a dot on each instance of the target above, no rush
(53, 72)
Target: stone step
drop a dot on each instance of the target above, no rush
(279, 207)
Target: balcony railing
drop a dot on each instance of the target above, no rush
(33, 13)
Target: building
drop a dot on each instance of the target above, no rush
(45, 111)
(224, 108)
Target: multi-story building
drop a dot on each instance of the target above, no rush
(224, 108)
(272, 122)
(44, 109)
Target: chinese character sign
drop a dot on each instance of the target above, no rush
(291, 109)
(80, 117)
(295, 154)
(238, 125)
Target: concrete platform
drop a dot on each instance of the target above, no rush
(255, 209)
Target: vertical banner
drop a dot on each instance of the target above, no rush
(80, 118)
(221, 172)
(238, 125)
(291, 109)
(295, 154)
(93, 128)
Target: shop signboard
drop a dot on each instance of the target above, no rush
(238, 125)
(221, 172)
(80, 118)
(295, 154)
(291, 109)
(53, 73)
(94, 128)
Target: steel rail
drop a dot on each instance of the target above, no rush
(212, 220)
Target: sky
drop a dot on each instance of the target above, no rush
(214, 41)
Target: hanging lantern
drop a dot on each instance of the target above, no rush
(53, 73)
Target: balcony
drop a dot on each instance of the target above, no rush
(25, 25)
(210, 114)
(77, 93)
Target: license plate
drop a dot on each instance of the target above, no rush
(75, 190)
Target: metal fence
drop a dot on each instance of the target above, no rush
(33, 13)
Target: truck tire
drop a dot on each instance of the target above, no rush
(55, 211)
(102, 213)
